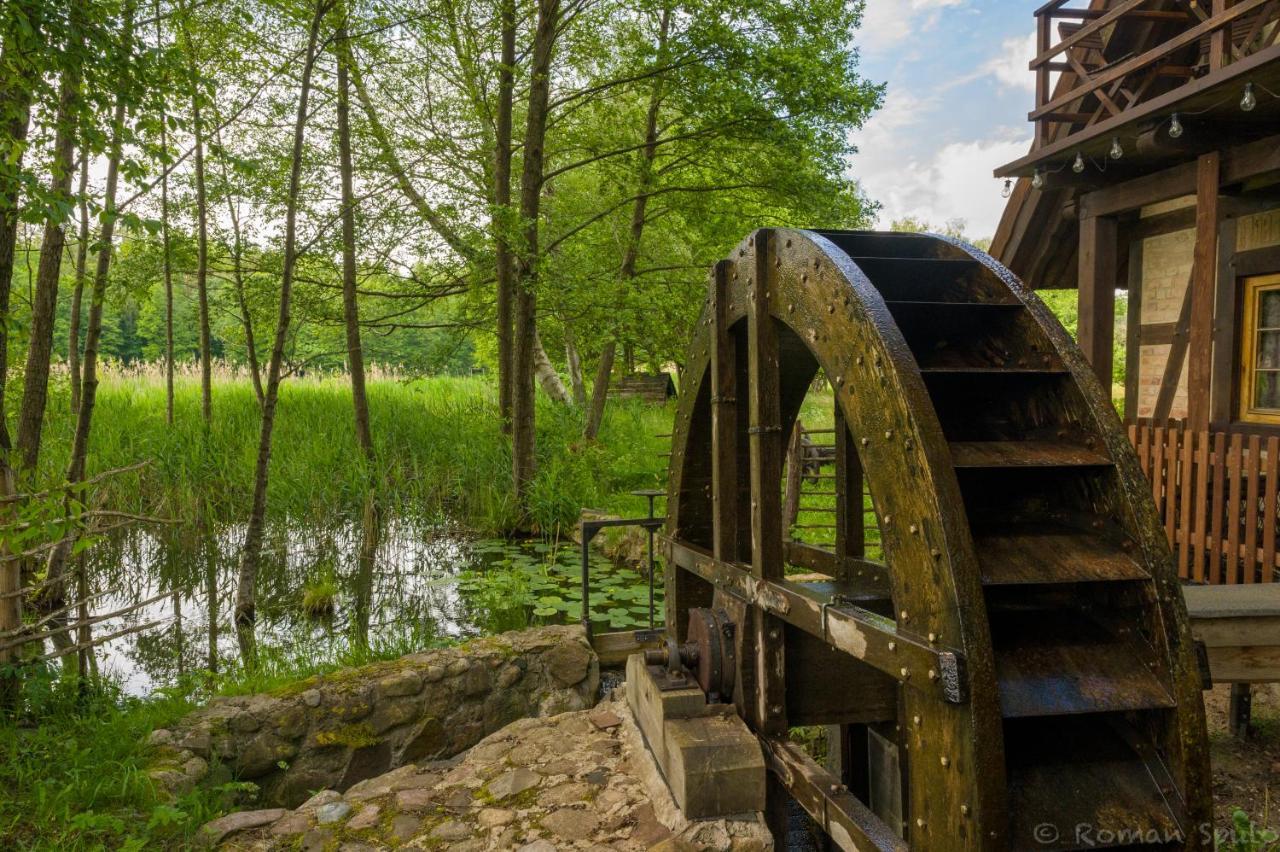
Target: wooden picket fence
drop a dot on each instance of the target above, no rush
(1216, 494)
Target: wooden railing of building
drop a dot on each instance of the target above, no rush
(1111, 80)
(1217, 494)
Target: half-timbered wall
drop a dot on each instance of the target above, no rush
(1163, 310)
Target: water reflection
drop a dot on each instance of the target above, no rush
(411, 583)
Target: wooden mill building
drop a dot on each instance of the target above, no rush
(1155, 169)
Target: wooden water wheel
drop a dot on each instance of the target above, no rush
(1017, 671)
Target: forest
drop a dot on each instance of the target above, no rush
(294, 291)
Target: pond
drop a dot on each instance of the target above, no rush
(426, 584)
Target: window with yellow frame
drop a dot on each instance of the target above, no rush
(1260, 351)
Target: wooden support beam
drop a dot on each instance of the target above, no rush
(1133, 334)
(1224, 331)
(724, 421)
(850, 534)
(1204, 274)
(863, 634)
(1097, 295)
(765, 440)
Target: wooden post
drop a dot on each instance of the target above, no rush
(1203, 275)
(1218, 41)
(1240, 710)
(1133, 334)
(849, 519)
(795, 473)
(1097, 296)
(765, 432)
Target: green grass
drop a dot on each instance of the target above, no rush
(440, 452)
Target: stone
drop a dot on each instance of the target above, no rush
(401, 683)
(675, 844)
(415, 800)
(508, 676)
(198, 742)
(324, 797)
(332, 812)
(568, 662)
(311, 698)
(393, 713)
(538, 846)
(432, 674)
(366, 817)
(244, 723)
(648, 830)
(404, 827)
(291, 722)
(264, 753)
(216, 831)
(567, 794)
(294, 823)
(458, 667)
(571, 823)
(604, 718)
(495, 817)
(451, 830)
(160, 737)
(195, 768)
(513, 783)
(316, 839)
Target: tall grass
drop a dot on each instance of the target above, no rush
(440, 451)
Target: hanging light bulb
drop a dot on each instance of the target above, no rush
(1078, 165)
(1175, 127)
(1250, 100)
(1008, 188)
(1037, 180)
(1116, 151)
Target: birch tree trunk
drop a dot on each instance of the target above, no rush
(526, 328)
(202, 236)
(56, 566)
(251, 555)
(237, 281)
(574, 362)
(77, 296)
(35, 385)
(166, 257)
(503, 261)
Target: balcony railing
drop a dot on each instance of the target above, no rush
(1122, 55)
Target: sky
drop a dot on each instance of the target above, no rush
(956, 106)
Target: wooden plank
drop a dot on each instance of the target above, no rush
(1186, 501)
(1173, 440)
(1093, 28)
(1200, 515)
(1157, 470)
(1043, 554)
(1253, 469)
(765, 440)
(1224, 332)
(874, 639)
(1203, 277)
(1270, 481)
(1097, 295)
(795, 467)
(1218, 41)
(1233, 508)
(1133, 332)
(1219, 478)
(614, 648)
(1010, 454)
(850, 535)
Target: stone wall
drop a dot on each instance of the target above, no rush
(332, 731)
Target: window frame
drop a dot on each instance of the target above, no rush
(1252, 287)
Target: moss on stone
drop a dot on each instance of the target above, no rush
(354, 736)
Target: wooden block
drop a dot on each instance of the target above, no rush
(714, 766)
(707, 755)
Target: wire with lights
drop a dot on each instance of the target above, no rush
(1248, 103)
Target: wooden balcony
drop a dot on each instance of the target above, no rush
(1127, 66)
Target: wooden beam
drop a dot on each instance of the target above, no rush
(1238, 164)
(765, 439)
(850, 534)
(1203, 275)
(1097, 296)
(1092, 28)
(1173, 364)
(1133, 334)
(1224, 326)
(724, 426)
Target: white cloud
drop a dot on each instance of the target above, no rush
(1009, 66)
(886, 23)
(950, 182)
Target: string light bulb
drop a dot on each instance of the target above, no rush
(1037, 180)
(1008, 188)
(1249, 100)
(1078, 165)
(1116, 151)
(1175, 127)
